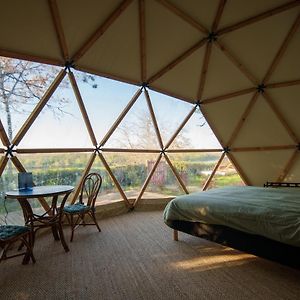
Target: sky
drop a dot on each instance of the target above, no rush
(103, 106)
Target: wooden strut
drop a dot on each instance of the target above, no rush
(242, 119)
(77, 190)
(179, 179)
(259, 17)
(54, 150)
(39, 107)
(147, 180)
(219, 13)
(101, 30)
(3, 136)
(282, 50)
(281, 118)
(3, 163)
(186, 119)
(154, 121)
(264, 148)
(82, 108)
(288, 166)
(204, 69)
(130, 150)
(114, 179)
(209, 179)
(21, 168)
(142, 27)
(177, 60)
(282, 84)
(193, 150)
(174, 9)
(228, 96)
(121, 116)
(59, 29)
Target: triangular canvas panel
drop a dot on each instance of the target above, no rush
(131, 170)
(205, 17)
(104, 100)
(287, 101)
(262, 166)
(163, 183)
(29, 23)
(194, 168)
(256, 45)
(59, 125)
(136, 129)
(289, 67)
(108, 191)
(262, 128)
(168, 36)
(168, 122)
(245, 9)
(196, 134)
(226, 175)
(294, 173)
(85, 14)
(117, 51)
(177, 81)
(24, 96)
(225, 115)
(223, 76)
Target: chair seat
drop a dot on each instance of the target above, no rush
(9, 231)
(76, 208)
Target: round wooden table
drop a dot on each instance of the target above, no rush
(52, 217)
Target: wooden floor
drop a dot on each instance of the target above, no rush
(134, 257)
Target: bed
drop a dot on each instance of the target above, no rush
(259, 220)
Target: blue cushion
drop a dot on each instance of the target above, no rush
(76, 208)
(9, 231)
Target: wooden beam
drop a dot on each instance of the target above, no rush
(242, 119)
(236, 62)
(282, 49)
(281, 118)
(39, 107)
(114, 179)
(209, 179)
(228, 96)
(82, 108)
(154, 121)
(101, 30)
(218, 15)
(54, 150)
(183, 15)
(77, 190)
(142, 40)
(186, 119)
(175, 235)
(121, 150)
(179, 179)
(121, 116)
(283, 84)
(239, 170)
(177, 60)
(21, 168)
(147, 180)
(264, 148)
(30, 57)
(193, 150)
(3, 163)
(259, 17)
(204, 70)
(3, 136)
(288, 166)
(59, 29)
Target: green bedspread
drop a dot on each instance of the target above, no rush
(270, 212)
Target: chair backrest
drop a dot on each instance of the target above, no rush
(90, 189)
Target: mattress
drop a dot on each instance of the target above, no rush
(273, 213)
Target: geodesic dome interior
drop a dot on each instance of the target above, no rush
(237, 61)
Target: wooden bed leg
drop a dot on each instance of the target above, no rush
(175, 235)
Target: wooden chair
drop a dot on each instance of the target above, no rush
(9, 234)
(76, 213)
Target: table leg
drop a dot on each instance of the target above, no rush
(62, 237)
(54, 232)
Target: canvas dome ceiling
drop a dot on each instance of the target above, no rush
(239, 59)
